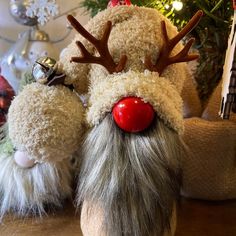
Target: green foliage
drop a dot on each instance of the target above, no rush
(94, 6)
(6, 147)
(27, 78)
(211, 34)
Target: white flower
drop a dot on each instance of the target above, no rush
(42, 9)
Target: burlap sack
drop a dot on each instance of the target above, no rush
(209, 171)
(192, 105)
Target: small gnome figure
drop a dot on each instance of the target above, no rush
(6, 96)
(44, 131)
(129, 58)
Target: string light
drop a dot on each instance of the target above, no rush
(167, 6)
(177, 5)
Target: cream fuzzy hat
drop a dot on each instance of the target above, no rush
(136, 33)
(158, 91)
(46, 122)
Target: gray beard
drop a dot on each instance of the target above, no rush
(135, 177)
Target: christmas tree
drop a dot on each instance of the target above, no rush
(211, 34)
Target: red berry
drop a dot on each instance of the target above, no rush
(132, 114)
(6, 95)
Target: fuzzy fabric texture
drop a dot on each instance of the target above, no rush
(46, 122)
(191, 102)
(158, 91)
(135, 178)
(210, 172)
(135, 33)
(31, 191)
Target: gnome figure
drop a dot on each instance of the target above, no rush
(40, 138)
(129, 58)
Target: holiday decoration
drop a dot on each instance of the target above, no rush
(43, 132)
(18, 11)
(42, 9)
(228, 102)
(129, 58)
(31, 44)
(145, 132)
(45, 71)
(6, 95)
(132, 114)
(211, 34)
(114, 3)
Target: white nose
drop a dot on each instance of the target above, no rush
(22, 159)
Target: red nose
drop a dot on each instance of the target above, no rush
(132, 114)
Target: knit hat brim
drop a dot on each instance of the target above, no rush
(158, 91)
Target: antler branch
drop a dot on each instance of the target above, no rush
(105, 59)
(165, 59)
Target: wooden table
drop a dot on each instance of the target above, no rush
(62, 223)
(195, 218)
(202, 218)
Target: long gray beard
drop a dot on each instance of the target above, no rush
(134, 177)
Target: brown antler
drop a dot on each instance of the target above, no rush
(165, 59)
(105, 59)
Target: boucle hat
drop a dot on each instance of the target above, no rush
(158, 91)
(46, 122)
(135, 39)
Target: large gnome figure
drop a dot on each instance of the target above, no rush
(130, 176)
(132, 64)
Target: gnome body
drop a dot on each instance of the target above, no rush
(129, 182)
(43, 132)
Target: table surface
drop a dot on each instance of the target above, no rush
(195, 218)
